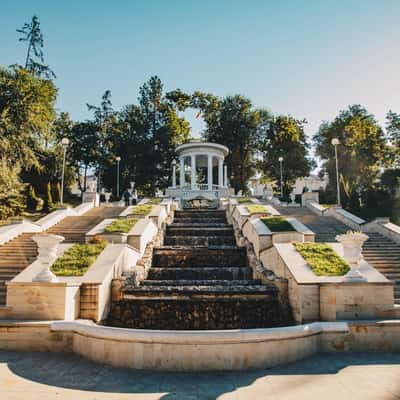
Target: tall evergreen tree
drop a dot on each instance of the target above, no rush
(34, 61)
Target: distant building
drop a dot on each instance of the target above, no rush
(312, 183)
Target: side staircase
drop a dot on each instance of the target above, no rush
(74, 229)
(19, 253)
(380, 252)
(15, 256)
(199, 279)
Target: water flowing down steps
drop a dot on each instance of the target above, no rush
(380, 252)
(199, 279)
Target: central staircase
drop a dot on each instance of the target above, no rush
(199, 279)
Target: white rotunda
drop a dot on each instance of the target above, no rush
(201, 171)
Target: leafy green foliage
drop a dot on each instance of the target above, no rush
(277, 224)
(32, 200)
(322, 259)
(121, 225)
(48, 202)
(77, 259)
(233, 122)
(11, 190)
(26, 115)
(283, 136)
(362, 153)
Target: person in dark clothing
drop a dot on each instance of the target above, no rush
(126, 195)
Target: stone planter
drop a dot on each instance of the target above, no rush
(352, 252)
(47, 249)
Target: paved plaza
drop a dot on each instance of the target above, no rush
(43, 376)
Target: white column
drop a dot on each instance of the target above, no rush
(182, 172)
(174, 175)
(193, 170)
(220, 171)
(225, 175)
(210, 172)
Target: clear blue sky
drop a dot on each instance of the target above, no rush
(309, 58)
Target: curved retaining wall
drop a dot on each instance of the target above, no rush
(199, 350)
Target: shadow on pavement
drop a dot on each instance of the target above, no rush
(73, 372)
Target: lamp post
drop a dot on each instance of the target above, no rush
(280, 159)
(335, 142)
(174, 173)
(64, 143)
(118, 158)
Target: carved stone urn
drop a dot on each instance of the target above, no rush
(107, 196)
(352, 252)
(47, 249)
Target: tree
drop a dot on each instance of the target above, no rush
(104, 118)
(232, 122)
(26, 115)
(393, 131)
(11, 189)
(34, 61)
(145, 137)
(283, 136)
(362, 152)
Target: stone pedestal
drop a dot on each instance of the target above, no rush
(47, 249)
(352, 252)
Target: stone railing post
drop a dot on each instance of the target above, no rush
(47, 249)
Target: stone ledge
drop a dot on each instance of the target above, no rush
(199, 337)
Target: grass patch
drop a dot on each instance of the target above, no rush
(278, 224)
(244, 200)
(256, 209)
(122, 225)
(77, 259)
(143, 209)
(322, 259)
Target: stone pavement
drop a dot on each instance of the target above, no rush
(355, 376)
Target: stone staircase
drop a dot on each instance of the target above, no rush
(20, 252)
(74, 229)
(384, 255)
(15, 256)
(380, 252)
(199, 279)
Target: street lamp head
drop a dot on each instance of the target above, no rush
(335, 141)
(118, 158)
(280, 159)
(65, 141)
(173, 162)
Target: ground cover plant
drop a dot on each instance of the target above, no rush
(78, 258)
(256, 209)
(244, 200)
(322, 259)
(122, 225)
(277, 224)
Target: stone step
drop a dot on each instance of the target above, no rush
(200, 213)
(190, 230)
(199, 225)
(198, 291)
(218, 256)
(187, 273)
(199, 220)
(208, 282)
(199, 240)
